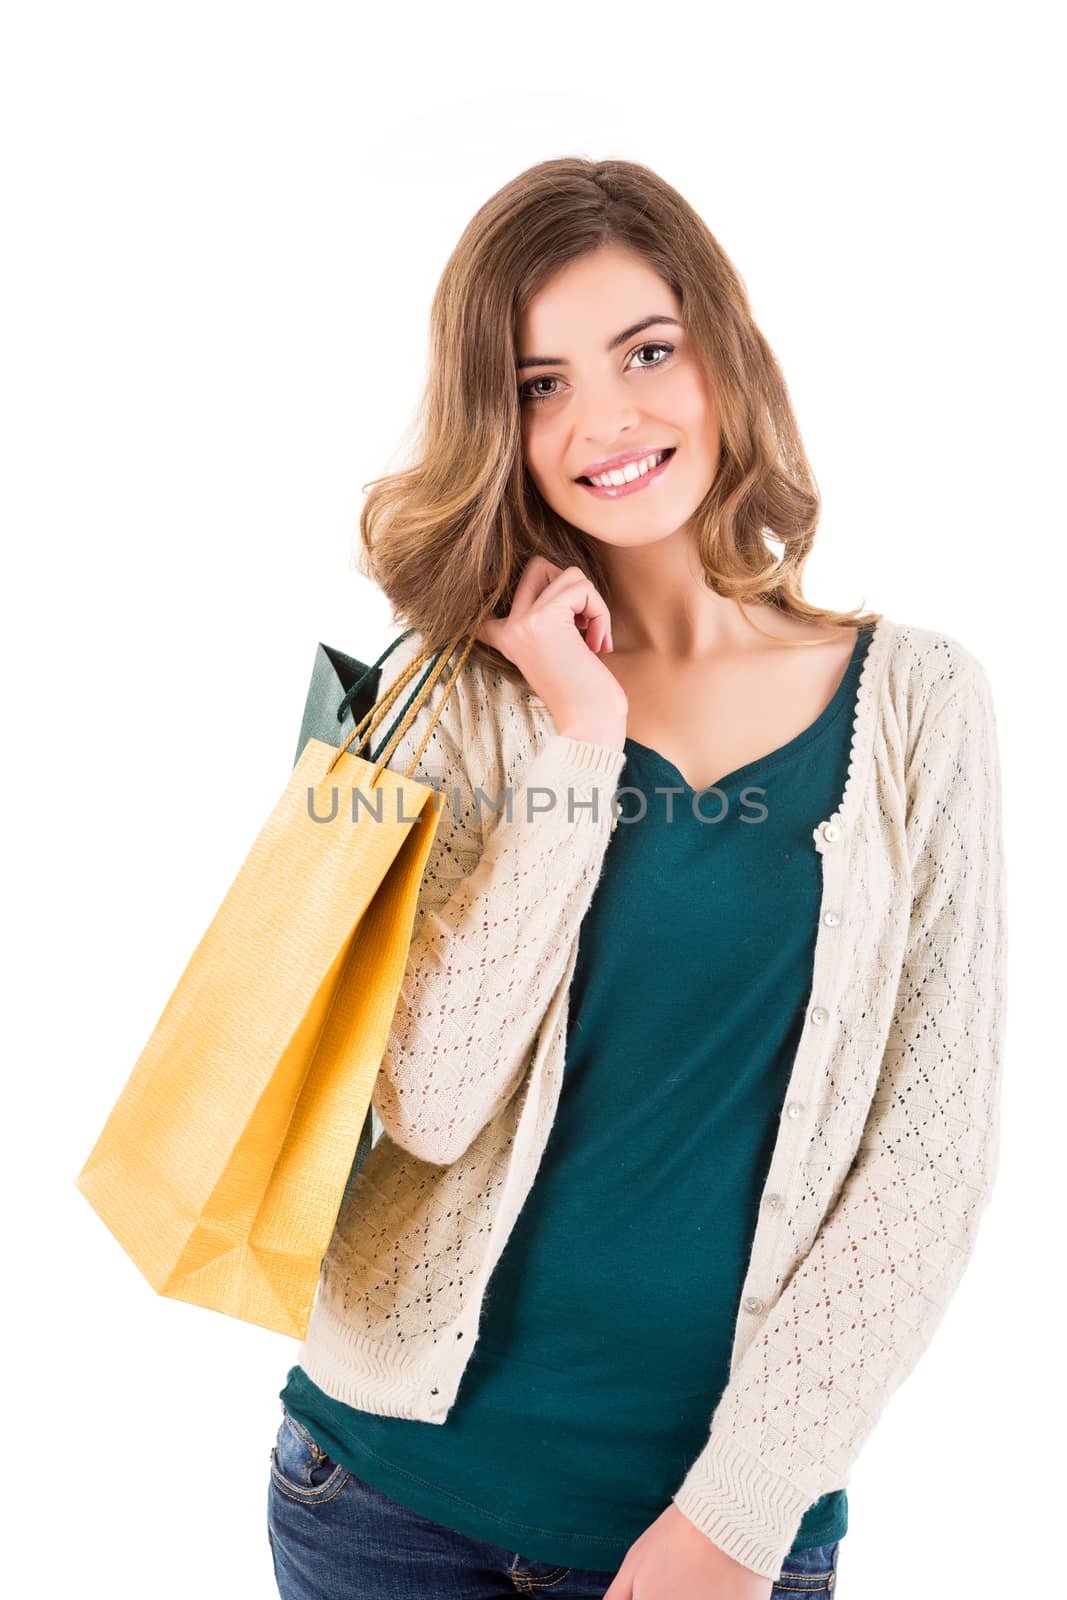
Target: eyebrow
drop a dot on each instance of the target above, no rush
(620, 338)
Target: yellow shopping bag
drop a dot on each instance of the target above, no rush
(222, 1166)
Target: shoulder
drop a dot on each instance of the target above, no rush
(927, 670)
(938, 695)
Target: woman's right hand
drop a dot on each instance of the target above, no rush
(540, 635)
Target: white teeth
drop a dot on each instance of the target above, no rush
(627, 474)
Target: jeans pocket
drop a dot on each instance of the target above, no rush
(300, 1468)
(810, 1572)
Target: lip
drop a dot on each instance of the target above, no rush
(612, 463)
(641, 482)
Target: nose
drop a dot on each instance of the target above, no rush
(606, 418)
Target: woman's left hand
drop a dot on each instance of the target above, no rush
(673, 1557)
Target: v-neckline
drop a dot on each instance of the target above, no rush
(783, 752)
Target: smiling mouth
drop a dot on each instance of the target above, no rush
(630, 485)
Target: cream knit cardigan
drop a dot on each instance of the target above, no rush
(888, 1138)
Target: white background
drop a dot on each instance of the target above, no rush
(224, 225)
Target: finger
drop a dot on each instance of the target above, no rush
(587, 605)
(489, 632)
(538, 574)
(597, 633)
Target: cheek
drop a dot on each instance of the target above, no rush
(690, 407)
(541, 447)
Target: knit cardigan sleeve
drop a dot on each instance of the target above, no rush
(809, 1389)
(493, 923)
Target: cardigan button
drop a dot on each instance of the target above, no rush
(775, 1201)
(753, 1303)
(830, 832)
(819, 1015)
(831, 919)
(794, 1108)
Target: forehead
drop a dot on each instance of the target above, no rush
(590, 299)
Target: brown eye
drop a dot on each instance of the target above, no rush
(524, 394)
(668, 348)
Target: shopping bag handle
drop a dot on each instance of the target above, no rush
(351, 694)
(380, 709)
(387, 651)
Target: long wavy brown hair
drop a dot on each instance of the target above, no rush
(447, 537)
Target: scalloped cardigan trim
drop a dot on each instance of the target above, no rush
(889, 1136)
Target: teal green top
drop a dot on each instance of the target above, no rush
(607, 1327)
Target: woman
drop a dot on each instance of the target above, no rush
(689, 1107)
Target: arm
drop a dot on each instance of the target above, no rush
(493, 926)
(862, 1306)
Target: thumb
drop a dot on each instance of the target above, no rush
(488, 631)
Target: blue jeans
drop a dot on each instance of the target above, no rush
(335, 1537)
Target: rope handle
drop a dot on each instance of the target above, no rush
(376, 715)
(381, 708)
(416, 691)
(351, 694)
(379, 711)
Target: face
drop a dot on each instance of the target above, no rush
(605, 369)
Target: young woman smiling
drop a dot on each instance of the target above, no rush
(689, 1108)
